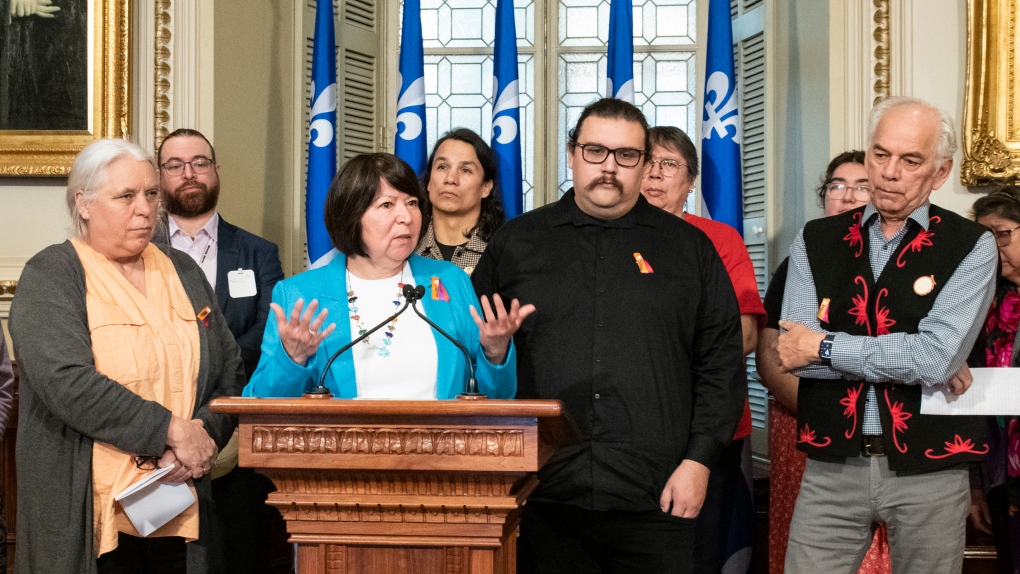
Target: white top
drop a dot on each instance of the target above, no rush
(409, 372)
(202, 248)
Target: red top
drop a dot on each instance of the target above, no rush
(737, 261)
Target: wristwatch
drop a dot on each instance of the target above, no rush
(825, 350)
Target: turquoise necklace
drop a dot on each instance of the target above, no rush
(384, 349)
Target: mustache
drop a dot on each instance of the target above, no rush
(192, 184)
(605, 180)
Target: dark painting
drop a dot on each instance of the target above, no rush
(43, 65)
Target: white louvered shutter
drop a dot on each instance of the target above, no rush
(750, 62)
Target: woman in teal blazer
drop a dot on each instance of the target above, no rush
(373, 219)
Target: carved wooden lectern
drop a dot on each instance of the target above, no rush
(400, 486)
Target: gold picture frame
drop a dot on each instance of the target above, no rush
(28, 152)
(991, 116)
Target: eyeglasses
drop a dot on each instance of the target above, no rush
(176, 167)
(667, 167)
(839, 191)
(1002, 238)
(146, 462)
(625, 156)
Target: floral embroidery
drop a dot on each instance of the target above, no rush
(808, 436)
(854, 234)
(922, 240)
(882, 314)
(958, 446)
(860, 305)
(850, 402)
(899, 421)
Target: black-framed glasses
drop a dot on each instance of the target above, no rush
(1003, 238)
(625, 156)
(667, 167)
(147, 462)
(839, 191)
(199, 165)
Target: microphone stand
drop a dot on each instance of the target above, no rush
(320, 391)
(472, 386)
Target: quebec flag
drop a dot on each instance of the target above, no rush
(720, 127)
(620, 67)
(506, 113)
(321, 136)
(411, 144)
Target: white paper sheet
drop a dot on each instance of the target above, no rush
(994, 392)
(150, 504)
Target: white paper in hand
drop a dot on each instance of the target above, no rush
(995, 391)
(150, 504)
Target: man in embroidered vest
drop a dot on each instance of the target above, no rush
(879, 302)
(637, 331)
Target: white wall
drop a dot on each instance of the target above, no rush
(32, 216)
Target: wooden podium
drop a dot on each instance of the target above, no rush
(400, 486)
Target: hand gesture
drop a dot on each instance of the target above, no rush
(191, 444)
(497, 328)
(300, 334)
(685, 491)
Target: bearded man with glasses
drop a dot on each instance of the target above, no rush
(242, 268)
(637, 331)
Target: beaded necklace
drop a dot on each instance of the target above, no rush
(383, 350)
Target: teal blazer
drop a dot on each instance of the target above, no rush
(278, 376)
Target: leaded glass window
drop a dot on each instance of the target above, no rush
(458, 38)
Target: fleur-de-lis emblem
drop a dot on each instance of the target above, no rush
(720, 109)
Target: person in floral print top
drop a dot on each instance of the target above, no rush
(995, 490)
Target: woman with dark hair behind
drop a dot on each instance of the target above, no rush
(995, 487)
(373, 217)
(462, 207)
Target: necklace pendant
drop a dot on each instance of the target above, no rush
(384, 352)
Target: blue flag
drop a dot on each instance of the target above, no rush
(506, 112)
(321, 135)
(720, 127)
(411, 145)
(620, 68)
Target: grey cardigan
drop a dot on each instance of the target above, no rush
(65, 404)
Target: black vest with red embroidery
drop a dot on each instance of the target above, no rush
(830, 413)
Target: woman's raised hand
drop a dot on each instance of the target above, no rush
(497, 328)
(300, 332)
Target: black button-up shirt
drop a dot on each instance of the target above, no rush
(649, 364)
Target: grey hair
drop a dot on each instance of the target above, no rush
(88, 175)
(946, 146)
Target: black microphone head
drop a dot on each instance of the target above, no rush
(409, 293)
(419, 292)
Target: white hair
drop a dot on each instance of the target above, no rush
(89, 171)
(946, 146)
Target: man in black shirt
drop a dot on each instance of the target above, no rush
(637, 331)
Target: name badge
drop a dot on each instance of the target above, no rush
(242, 283)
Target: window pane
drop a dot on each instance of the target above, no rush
(472, 23)
(656, 22)
(663, 89)
(458, 94)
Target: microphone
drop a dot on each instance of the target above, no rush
(417, 293)
(410, 293)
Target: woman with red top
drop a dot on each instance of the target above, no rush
(843, 187)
